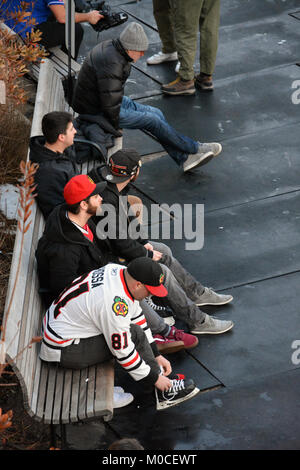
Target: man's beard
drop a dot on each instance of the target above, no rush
(92, 210)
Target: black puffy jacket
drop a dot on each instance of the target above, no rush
(101, 80)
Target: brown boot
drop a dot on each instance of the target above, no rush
(179, 87)
(204, 82)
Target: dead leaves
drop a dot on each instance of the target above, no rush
(27, 194)
(16, 55)
(5, 420)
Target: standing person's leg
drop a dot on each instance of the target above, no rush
(187, 16)
(163, 14)
(186, 24)
(209, 36)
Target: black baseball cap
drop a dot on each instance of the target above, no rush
(149, 273)
(121, 166)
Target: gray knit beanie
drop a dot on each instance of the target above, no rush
(133, 38)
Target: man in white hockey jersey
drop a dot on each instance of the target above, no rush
(99, 316)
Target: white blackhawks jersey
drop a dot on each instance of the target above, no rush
(97, 303)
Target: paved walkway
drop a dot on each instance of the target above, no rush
(249, 377)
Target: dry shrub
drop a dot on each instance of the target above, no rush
(17, 54)
(7, 237)
(14, 136)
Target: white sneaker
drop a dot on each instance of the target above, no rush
(161, 57)
(177, 67)
(122, 399)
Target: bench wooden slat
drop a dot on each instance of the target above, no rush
(12, 339)
(32, 410)
(30, 354)
(58, 393)
(84, 377)
(49, 397)
(66, 400)
(74, 396)
(103, 396)
(91, 392)
(42, 391)
(29, 294)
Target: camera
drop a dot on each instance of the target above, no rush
(110, 19)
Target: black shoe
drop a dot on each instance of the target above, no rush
(180, 391)
(163, 311)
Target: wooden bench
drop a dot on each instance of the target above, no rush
(51, 394)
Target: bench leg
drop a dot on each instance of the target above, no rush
(63, 434)
(53, 440)
(53, 436)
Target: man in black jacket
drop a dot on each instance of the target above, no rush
(69, 246)
(186, 294)
(100, 90)
(54, 153)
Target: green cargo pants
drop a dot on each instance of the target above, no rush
(178, 23)
(163, 14)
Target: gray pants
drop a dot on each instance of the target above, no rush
(94, 350)
(184, 290)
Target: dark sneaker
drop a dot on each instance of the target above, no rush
(176, 376)
(180, 391)
(204, 82)
(168, 346)
(190, 341)
(162, 311)
(179, 87)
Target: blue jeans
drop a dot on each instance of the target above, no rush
(138, 116)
